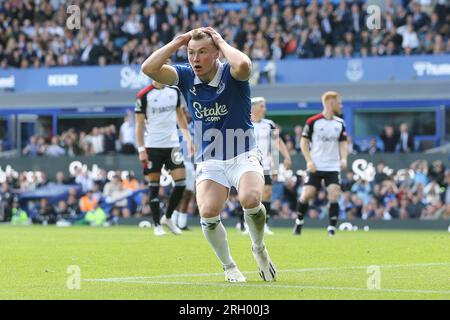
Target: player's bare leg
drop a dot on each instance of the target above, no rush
(334, 192)
(179, 178)
(250, 192)
(182, 210)
(308, 193)
(154, 202)
(266, 200)
(211, 197)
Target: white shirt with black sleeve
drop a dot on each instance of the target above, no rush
(160, 109)
(324, 136)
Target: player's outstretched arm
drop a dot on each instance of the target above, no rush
(241, 65)
(155, 67)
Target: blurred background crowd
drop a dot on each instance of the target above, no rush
(421, 191)
(33, 33)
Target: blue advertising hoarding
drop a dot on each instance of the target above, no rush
(306, 71)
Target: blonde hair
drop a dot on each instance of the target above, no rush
(330, 95)
(198, 34)
(257, 100)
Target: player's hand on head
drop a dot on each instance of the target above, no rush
(310, 166)
(214, 34)
(185, 38)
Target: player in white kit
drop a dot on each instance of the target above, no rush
(158, 110)
(269, 142)
(180, 216)
(324, 146)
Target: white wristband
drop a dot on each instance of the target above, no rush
(141, 149)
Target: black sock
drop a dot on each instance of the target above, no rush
(154, 202)
(240, 212)
(333, 213)
(175, 196)
(302, 210)
(266, 205)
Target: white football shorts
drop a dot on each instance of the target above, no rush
(228, 172)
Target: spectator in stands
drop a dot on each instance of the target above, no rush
(415, 208)
(63, 212)
(421, 172)
(96, 139)
(297, 137)
(373, 148)
(95, 217)
(406, 139)
(54, 149)
(45, 213)
(380, 174)
(32, 148)
(6, 201)
(85, 144)
(88, 202)
(432, 192)
(348, 181)
(437, 172)
(446, 193)
(130, 182)
(353, 148)
(362, 189)
(70, 145)
(97, 191)
(143, 208)
(111, 186)
(73, 204)
(83, 178)
(119, 197)
(61, 179)
(32, 36)
(127, 135)
(110, 139)
(389, 138)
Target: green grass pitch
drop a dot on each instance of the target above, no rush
(131, 263)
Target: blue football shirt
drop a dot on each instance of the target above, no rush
(221, 112)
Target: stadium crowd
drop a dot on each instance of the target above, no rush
(421, 191)
(99, 141)
(33, 33)
(105, 140)
(400, 140)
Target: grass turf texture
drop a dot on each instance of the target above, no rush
(131, 263)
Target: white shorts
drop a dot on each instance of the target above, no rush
(190, 176)
(229, 172)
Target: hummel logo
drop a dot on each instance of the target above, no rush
(221, 87)
(193, 91)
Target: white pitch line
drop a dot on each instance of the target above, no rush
(271, 286)
(183, 275)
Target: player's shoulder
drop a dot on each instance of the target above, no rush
(145, 91)
(314, 118)
(269, 122)
(338, 119)
(183, 68)
(174, 88)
